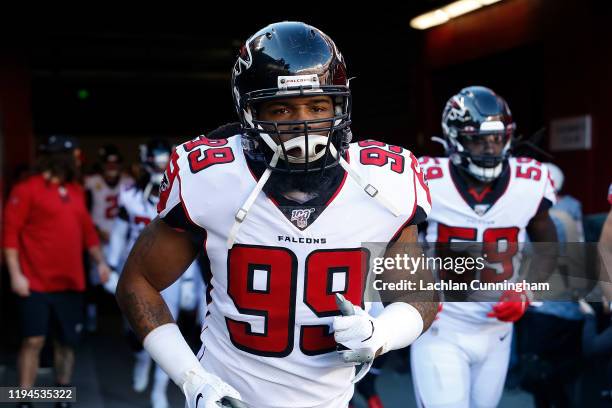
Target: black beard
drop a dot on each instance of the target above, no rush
(62, 165)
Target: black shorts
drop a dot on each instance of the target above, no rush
(61, 312)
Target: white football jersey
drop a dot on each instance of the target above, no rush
(459, 214)
(135, 213)
(104, 206)
(139, 210)
(268, 330)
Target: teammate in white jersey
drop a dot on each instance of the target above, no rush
(282, 210)
(137, 208)
(102, 193)
(479, 194)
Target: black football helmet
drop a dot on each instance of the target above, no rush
(154, 157)
(292, 59)
(469, 116)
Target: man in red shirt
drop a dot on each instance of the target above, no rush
(46, 229)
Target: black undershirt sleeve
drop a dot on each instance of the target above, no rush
(545, 204)
(419, 216)
(176, 218)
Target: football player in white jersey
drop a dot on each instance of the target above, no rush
(102, 193)
(137, 208)
(282, 210)
(479, 194)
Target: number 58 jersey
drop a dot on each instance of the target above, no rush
(500, 213)
(271, 296)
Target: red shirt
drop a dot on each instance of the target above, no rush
(50, 229)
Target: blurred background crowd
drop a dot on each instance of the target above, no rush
(89, 114)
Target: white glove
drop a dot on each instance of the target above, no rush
(111, 284)
(206, 390)
(585, 308)
(366, 337)
(359, 332)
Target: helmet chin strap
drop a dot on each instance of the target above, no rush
(368, 188)
(244, 209)
(441, 141)
(242, 213)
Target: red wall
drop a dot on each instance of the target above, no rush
(15, 114)
(15, 120)
(575, 41)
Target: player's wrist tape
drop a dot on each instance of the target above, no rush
(402, 324)
(171, 352)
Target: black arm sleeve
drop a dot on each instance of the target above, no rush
(545, 204)
(176, 218)
(419, 216)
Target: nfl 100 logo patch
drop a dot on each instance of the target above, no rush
(301, 216)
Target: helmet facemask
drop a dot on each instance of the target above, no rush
(154, 159)
(476, 153)
(304, 146)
